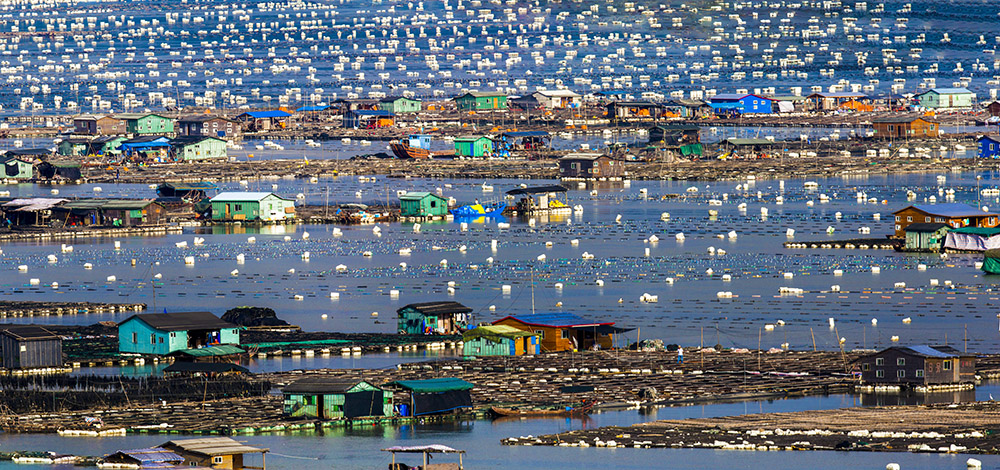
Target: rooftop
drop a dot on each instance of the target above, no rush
(321, 385)
(555, 320)
(254, 196)
(437, 308)
(27, 332)
(180, 321)
(212, 446)
(950, 209)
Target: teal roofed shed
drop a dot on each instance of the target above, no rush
(164, 333)
(422, 204)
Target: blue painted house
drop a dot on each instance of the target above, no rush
(989, 147)
(164, 333)
(740, 103)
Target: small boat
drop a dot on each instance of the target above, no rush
(413, 147)
(479, 210)
(426, 452)
(404, 151)
(583, 410)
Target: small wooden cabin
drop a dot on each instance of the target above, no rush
(499, 340)
(918, 365)
(564, 331)
(332, 398)
(926, 236)
(955, 215)
(30, 346)
(590, 166)
(905, 128)
(443, 318)
(215, 452)
(422, 204)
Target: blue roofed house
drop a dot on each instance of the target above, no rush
(155, 147)
(368, 119)
(989, 147)
(946, 98)
(265, 120)
(956, 215)
(920, 365)
(164, 333)
(740, 103)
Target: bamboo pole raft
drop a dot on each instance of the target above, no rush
(957, 428)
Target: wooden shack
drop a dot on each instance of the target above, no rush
(163, 333)
(16, 168)
(263, 206)
(904, 128)
(442, 318)
(925, 236)
(473, 146)
(564, 331)
(918, 365)
(216, 452)
(30, 346)
(333, 398)
(955, 215)
(210, 126)
(59, 170)
(499, 340)
(590, 166)
(481, 101)
(422, 204)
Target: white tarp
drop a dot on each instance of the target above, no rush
(786, 107)
(971, 242)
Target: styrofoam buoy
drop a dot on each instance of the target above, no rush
(973, 463)
(305, 235)
(907, 320)
(341, 268)
(600, 283)
(669, 280)
(34, 281)
(324, 316)
(306, 255)
(679, 237)
(876, 269)
(789, 275)
(235, 272)
(334, 295)
(88, 266)
(505, 288)
(892, 466)
(189, 260)
(838, 272)
(251, 239)
(790, 233)
(894, 338)
(831, 321)
(874, 321)
(112, 278)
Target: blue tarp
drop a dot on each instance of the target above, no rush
(274, 113)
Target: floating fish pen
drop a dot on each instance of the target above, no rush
(39, 308)
(91, 232)
(851, 244)
(947, 429)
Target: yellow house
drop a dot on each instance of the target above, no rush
(215, 452)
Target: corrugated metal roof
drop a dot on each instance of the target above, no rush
(950, 209)
(929, 351)
(493, 331)
(244, 196)
(445, 384)
(274, 113)
(179, 321)
(948, 91)
(27, 332)
(321, 385)
(212, 446)
(555, 320)
(34, 204)
(211, 367)
(436, 308)
(922, 227)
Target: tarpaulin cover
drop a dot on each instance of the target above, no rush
(366, 403)
(428, 403)
(971, 242)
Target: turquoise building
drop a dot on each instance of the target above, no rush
(499, 340)
(164, 333)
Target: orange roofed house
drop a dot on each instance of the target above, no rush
(954, 214)
(565, 331)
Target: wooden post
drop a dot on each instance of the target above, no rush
(813, 337)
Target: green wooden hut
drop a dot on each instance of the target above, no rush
(399, 104)
(443, 318)
(481, 101)
(197, 147)
(473, 146)
(332, 398)
(499, 340)
(267, 207)
(148, 123)
(422, 204)
(16, 168)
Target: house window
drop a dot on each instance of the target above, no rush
(866, 367)
(173, 334)
(152, 338)
(24, 348)
(901, 373)
(909, 219)
(880, 373)
(947, 365)
(938, 219)
(897, 227)
(564, 334)
(880, 361)
(927, 219)
(217, 460)
(901, 361)
(235, 331)
(237, 207)
(135, 337)
(540, 333)
(897, 218)
(920, 373)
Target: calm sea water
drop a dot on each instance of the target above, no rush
(687, 311)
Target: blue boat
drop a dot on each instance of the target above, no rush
(479, 210)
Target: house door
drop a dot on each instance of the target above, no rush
(227, 210)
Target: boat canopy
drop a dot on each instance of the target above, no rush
(538, 190)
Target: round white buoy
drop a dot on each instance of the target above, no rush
(335, 295)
